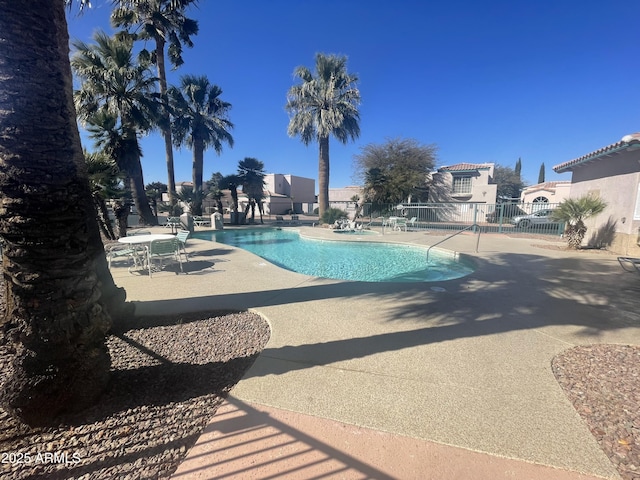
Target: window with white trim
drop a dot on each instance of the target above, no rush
(461, 185)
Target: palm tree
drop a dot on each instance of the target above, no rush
(200, 120)
(325, 103)
(191, 198)
(154, 192)
(117, 95)
(573, 212)
(251, 174)
(104, 177)
(120, 145)
(60, 296)
(232, 182)
(215, 191)
(163, 21)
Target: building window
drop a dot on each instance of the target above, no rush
(541, 200)
(461, 185)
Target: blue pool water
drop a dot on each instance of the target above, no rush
(359, 261)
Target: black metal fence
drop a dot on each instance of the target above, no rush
(500, 218)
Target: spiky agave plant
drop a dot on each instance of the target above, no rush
(573, 212)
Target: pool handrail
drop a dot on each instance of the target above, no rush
(457, 233)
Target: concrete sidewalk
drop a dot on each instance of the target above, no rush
(451, 382)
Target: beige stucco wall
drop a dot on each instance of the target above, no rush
(344, 194)
(302, 189)
(615, 179)
(481, 190)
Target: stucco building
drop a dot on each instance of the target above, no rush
(546, 193)
(464, 182)
(612, 173)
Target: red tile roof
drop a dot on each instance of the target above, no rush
(546, 186)
(465, 167)
(623, 144)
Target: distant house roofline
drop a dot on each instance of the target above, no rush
(627, 142)
(466, 167)
(549, 186)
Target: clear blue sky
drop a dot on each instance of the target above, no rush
(489, 81)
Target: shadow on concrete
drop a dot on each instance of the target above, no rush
(249, 443)
(511, 292)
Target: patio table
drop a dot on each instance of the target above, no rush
(140, 258)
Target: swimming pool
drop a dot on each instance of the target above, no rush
(343, 260)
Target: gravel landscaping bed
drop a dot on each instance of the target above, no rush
(603, 384)
(169, 377)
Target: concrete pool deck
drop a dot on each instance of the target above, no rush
(413, 380)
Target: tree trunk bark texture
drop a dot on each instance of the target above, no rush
(323, 175)
(166, 128)
(198, 168)
(59, 292)
(103, 217)
(130, 164)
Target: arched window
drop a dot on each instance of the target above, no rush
(539, 203)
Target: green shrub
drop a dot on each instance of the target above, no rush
(330, 215)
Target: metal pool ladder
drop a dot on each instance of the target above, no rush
(457, 233)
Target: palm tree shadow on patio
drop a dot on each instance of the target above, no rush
(507, 293)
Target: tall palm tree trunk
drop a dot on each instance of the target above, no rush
(103, 215)
(129, 164)
(198, 167)
(139, 194)
(166, 125)
(59, 292)
(323, 175)
(235, 220)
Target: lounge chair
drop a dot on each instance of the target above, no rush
(279, 220)
(163, 249)
(630, 264)
(199, 221)
(412, 222)
(295, 220)
(173, 223)
(400, 224)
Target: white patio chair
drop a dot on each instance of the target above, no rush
(199, 221)
(159, 250)
(182, 237)
(400, 224)
(118, 252)
(173, 222)
(134, 254)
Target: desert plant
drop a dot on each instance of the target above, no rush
(573, 212)
(330, 215)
